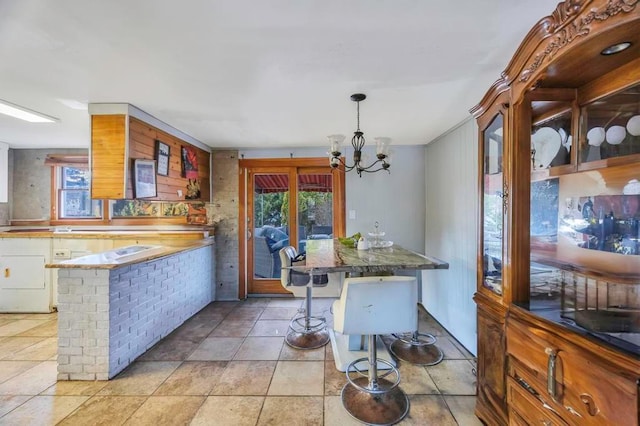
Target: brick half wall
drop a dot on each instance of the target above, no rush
(108, 318)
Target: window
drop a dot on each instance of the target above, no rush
(71, 191)
(74, 199)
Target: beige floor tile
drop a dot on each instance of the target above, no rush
(140, 378)
(232, 328)
(334, 380)
(449, 348)
(278, 313)
(245, 378)
(414, 379)
(76, 387)
(32, 381)
(293, 410)
(20, 326)
(256, 302)
(462, 408)
(193, 378)
(225, 307)
(41, 351)
(454, 377)
(170, 349)
(229, 411)
(216, 349)
(245, 314)
(259, 348)
(104, 411)
(428, 409)
(465, 353)
(9, 402)
(292, 354)
(9, 369)
(270, 328)
(12, 345)
(335, 414)
(4, 321)
(43, 410)
(166, 411)
(285, 302)
(328, 352)
(47, 329)
(194, 331)
(298, 378)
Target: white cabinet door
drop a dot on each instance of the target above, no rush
(25, 284)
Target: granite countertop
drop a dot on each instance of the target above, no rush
(124, 256)
(328, 255)
(109, 232)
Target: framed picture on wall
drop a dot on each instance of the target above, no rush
(162, 157)
(189, 162)
(144, 178)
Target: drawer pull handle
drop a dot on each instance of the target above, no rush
(551, 372)
(7, 272)
(587, 399)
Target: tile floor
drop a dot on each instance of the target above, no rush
(228, 365)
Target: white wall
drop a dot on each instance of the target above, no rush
(451, 230)
(395, 200)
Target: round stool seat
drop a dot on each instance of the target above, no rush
(417, 348)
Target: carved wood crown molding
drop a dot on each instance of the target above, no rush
(567, 30)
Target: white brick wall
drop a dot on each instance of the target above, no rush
(108, 318)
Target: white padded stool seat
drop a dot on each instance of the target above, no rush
(372, 306)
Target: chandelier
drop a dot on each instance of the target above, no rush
(382, 148)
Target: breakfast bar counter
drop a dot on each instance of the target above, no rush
(114, 306)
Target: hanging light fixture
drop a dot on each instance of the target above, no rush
(358, 141)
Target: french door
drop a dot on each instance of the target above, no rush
(284, 202)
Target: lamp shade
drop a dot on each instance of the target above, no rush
(596, 136)
(633, 125)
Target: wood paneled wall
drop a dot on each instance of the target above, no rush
(112, 159)
(142, 144)
(108, 156)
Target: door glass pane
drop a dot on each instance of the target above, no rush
(493, 206)
(611, 126)
(271, 223)
(315, 208)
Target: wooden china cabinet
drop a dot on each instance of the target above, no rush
(558, 292)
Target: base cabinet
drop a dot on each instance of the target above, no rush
(491, 404)
(556, 376)
(25, 284)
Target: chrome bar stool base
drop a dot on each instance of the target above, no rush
(375, 409)
(306, 331)
(370, 397)
(417, 348)
(307, 339)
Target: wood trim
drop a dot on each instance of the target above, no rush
(108, 156)
(617, 80)
(242, 232)
(290, 166)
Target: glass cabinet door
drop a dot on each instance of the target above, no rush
(493, 194)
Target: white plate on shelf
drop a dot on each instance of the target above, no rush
(547, 142)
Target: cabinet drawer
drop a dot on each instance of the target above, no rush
(588, 389)
(529, 410)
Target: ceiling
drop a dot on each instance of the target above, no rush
(256, 74)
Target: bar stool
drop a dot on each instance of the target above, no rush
(305, 330)
(416, 348)
(373, 306)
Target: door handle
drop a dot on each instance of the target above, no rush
(7, 272)
(249, 234)
(551, 371)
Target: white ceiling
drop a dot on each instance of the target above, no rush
(256, 74)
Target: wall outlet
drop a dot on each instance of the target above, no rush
(62, 254)
(352, 214)
(179, 192)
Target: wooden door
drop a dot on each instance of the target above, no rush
(284, 202)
